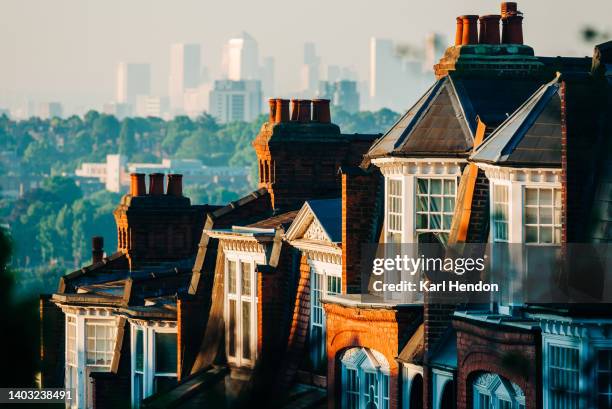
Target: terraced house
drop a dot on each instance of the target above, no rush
(268, 301)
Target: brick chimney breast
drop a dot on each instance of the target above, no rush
(97, 249)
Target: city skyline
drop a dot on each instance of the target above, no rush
(79, 70)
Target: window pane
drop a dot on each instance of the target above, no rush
(436, 222)
(449, 204)
(546, 235)
(165, 353)
(531, 215)
(246, 278)
(448, 220)
(422, 204)
(139, 349)
(546, 215)
(422, 186)
(449, 187)
(435, 186)
(435, 204)
(545, 197)
(231, 278)
(531, 234)
(246, 330)
(531, 197)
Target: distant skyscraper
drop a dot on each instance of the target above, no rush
(133, 80)
(343, 94)
(383, 71)
(241, 58)
(310, 70)
(185, 72)
(235, 100)
(149, 105)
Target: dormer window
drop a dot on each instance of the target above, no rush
(542, 215)
(435, 204)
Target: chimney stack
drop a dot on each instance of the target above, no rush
(304, 110)
(459, 31)
(137, 185)
(320, 111)
(156, 184)
(272, 103)
(282, 110)
(97, 249)
(512, 24)
(470, 30)
(489, 29)
(295, 109)
(175, 185)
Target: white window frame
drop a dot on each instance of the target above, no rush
(253, 259)
(561, 342)
(79, 367)
(496, 392)
(494, 205)
(362, 365)
(389, 213)
(554, 206)
(323, 271)
(442, 212)
(148, 360)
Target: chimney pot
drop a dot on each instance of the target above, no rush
(304, 110)
(97, 249)
(272, 103)
(282, 110)
(175, 185)
(489, 29)
(512, 29)
(156, 184)
(509, 8)
(137, 184)
(320, 111)
(470, 29)
(295, 109)
(459, 31)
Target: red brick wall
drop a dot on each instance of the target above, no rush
(360, 207)
(510, 352)
(377, 329)
(190, 323)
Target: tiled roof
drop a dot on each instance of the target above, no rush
(444, 121)
(280, 220)
(531, 137)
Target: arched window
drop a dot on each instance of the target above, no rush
(491, 391)
(365, 379)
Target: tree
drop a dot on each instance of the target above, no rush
(127, 142)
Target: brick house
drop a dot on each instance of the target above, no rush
(269, 301)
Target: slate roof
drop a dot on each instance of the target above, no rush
(531, 137)
(329, 214)
(443, 122)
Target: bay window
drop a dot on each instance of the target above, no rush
(240, 310)
(365, 379)
(154, 361)
(89, 347)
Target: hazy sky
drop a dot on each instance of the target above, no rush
(67, 50)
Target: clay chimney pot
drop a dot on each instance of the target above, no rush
(470, 29)
(282, 110)
(156, 184)
(137, 184)
(175, 185)
(272, 117)
(320, 111)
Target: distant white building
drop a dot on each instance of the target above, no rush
(114, 174)
(111, 173)
(148, 105)
(310, 70)
(133, 80)
(241, 58)
(185, 71)
(236, 100)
